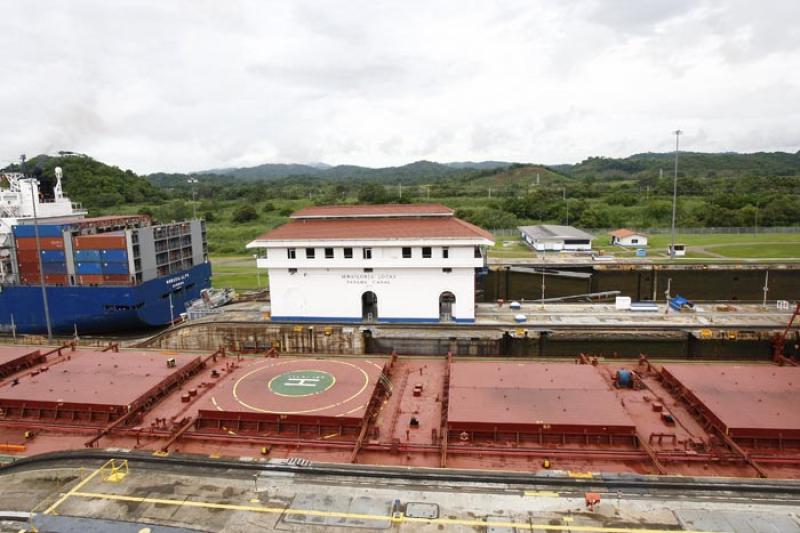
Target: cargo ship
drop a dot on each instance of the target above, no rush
(66, 273)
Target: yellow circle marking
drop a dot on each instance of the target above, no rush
(336, 404)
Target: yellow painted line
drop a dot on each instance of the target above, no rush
(358, 516)
(541, 493)
(580, 475)
(76, 488)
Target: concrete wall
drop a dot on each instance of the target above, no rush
(404, 294)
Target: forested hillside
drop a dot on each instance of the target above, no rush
(96, 184)
(713, 190)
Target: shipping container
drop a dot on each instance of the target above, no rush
(89, 268)
(27, 256)
(117, 256)
(116, 279)
(90, 279)
(45, 230)
(55, 279)
(54, 268)
(28, 268)
(87, 256)
(53, 256)
(105, 240)
(115, 268)
(45, 243)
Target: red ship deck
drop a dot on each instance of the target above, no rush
(532, 398)
(15, 358)
(89, 386)
(495, 414)
(743, 401)
(271, 395)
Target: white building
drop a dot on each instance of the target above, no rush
(383, 263)
(549, 237)
(626, 237)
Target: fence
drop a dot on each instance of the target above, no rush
(513, 232)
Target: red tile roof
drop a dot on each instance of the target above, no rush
(383, 210)
(376, 229)
(621, 233)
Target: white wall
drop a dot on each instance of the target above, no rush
(403, 293)
(559, 245)
(628, 241)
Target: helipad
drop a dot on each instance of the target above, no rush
(293, 391)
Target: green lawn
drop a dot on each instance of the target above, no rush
(715, 246)
(237, 272)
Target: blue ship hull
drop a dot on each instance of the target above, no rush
(103, 309)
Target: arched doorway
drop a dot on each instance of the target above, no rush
(446, 301)
(369, 306)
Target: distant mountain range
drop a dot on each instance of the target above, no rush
(414, 170)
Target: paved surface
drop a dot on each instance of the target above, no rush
(233, 502)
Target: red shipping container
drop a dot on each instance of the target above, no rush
(45, 243)
(28, 269)
(30, 279)
(90, 279)
(116, 279)
(102, 241)
(27, 256)
(55, 279)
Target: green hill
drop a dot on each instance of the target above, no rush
(95, 184)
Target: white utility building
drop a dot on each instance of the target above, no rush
(550, 237)
(626, 237)
(374, 263)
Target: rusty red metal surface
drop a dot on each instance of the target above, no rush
(249, 396)
(14, 358)
(744, 401)
(89, 386)
(507, 415)
(533, 397)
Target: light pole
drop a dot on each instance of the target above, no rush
(39, 255)
(258, 273)
(191, 182)
(674, 193)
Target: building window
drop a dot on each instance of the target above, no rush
(406, 253)
(634, 241)
(310, 253)
(328, 253)
(291, 253)
(348, 253)
(292, 271)
(367, 270)
(367, 252)
(426, 252)
(478, 252)
(445, 252)
(447, 270)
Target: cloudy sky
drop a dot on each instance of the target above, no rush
(182, 86)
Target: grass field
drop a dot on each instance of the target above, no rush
(237, 272)
(707, 247)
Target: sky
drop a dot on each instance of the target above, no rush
(180, 86)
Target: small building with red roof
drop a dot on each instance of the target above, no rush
(413, 263)
(626, 237)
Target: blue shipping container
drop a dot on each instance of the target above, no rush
(116, 256)
(89, 268)
(53, 256)
(115, 268)
(54, 268)
(87, 256)
(45, 230)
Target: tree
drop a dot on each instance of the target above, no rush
(372, 193)
(244, 213)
